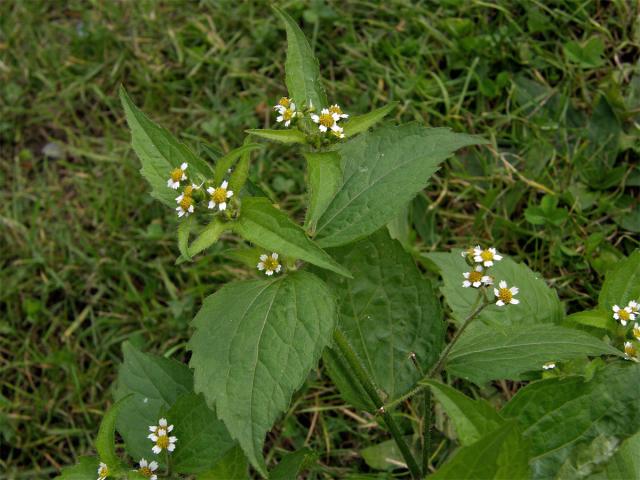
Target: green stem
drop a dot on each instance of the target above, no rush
(363, 377)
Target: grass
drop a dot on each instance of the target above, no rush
(87, 258)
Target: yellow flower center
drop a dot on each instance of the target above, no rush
(335, 109)
(287, 114)
(103, 472)
(475, 276)
(219, 195)
(271, 264)
(486, 255)
(285, 102)
(188, 190)
(630, 350)
(176, 174)
(327, 120)
(623, 314)
(163, 441)
(505, 295)
(146, 471)
(186, 202)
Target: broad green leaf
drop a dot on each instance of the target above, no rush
(383, 171)
(247, 256)
(593, 318)
(538, 302)
(208, 236)
(324, 180)
(490, 353)
(85, 469)
(253, 346)
(228, 161)
(106, 438)
(501, 454)
(622, 283)
(559, 415)
(385, 455)
(156, 383)
(362, 123)
(233, 466)
(290, 135)
(472, 419)
(266, 226)
(203, 440)
(184, 230)
(388, 311)
(625, 464)
(240, 173)
(343, 377)
(292, 464)
(302, 74)
(159, 152)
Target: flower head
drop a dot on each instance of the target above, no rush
(147, 468)
(283, 104)
(549, 366)
(505, 295)
(624, 315)
(185, 205)
(160, 436)
(475, 278)
(486, 257)
(219, 196)
(634, 306)
(286, 114)
(269, 263)
(630, 350)
(337, 113)
(177, 175)
(327, 122)
(103, 471)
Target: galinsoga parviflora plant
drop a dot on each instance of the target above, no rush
(339, 291)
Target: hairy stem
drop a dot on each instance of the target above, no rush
(367, 383)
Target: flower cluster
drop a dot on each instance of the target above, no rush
(160, 437)
(481, 260)
(327, 120)
(269, 264)
(624, 315)
(218, 196)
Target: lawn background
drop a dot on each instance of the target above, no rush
(87, 258)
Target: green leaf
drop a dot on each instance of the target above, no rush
(184, 230)
(233, 466)
(228, 161)
(266, 226)
(499, 454)
(489, 353)
(159, 152)
(343, 377)
(106, 439)
(586, 55)
(240, 174)
(388, 311)
(254, 344)
(622, 283)
(361, 123)
(472, 419)
(385, 455)
(156, 383)
(383, 171)
(559, 415)
(203, 439)
(302, 74)
(324, 180)
(85, 469)
(625, 464)
(290, 135)
(292, 464)
(538, 302)
(208, 236)
(593, 318)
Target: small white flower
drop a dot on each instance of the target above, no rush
(219, 196)
(624, 315)
(505, 295)
(549, 366)
(337, 113)
(177, 175)
(286, 115)
(103, 471)
(159, 435)
(326, 122)
(630, 351)
(636, 331)
(634, 306)
(283, 104)
(486, 257)
(147, 468)
(185, 205)
(475, 278)
(270, 264)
